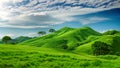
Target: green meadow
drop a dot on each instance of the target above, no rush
(65, 48)
(17, 56)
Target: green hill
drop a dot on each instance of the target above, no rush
(112, 40)
(21, 39)
(111, 32)
(66, 38)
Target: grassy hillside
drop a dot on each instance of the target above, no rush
(18, 56)
(21, 39)
(64, 38)
(112, 40)
(111, 32)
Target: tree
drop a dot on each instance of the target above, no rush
(6, 39)
(52, 30)
(41, 32)
(101, 48)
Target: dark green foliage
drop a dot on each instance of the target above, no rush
(116, 45)
(111, 32)
(101, 48)
(6, 39)
(1, 42)
(117, 53)
(52, 30)
(41, 32)
(64, 44)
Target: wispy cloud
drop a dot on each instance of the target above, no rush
(43, 13)
(33, 34)
(90, 20)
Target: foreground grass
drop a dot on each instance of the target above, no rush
(17, 56)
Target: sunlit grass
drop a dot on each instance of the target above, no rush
(18, 56)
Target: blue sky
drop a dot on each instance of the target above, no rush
(27, 17)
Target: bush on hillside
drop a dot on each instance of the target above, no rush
(52, 30)
(116, 45)
(63, 44)
(6, 39)
(101, 48)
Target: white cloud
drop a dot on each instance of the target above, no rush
(30, 16)
(11, 35)
(11, 26)
(92, 20)
(35, 19)
(14, 1)
(32, 34)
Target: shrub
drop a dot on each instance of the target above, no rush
(6, 39)
(63, 44)
(52, 30)
(101, 48)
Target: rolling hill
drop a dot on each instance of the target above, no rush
(21, 39)
(112, 40)
(65, 38)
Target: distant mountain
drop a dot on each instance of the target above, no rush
(111, 32)
(21, 39)
(66, 38)
(18, 40)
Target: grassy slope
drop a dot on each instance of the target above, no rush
(39, 41)
(71, 35)
(21, 39)
(17, 56)
(113, 40)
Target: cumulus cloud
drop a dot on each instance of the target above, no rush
(43, 13)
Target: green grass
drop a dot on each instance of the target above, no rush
(18, 56)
